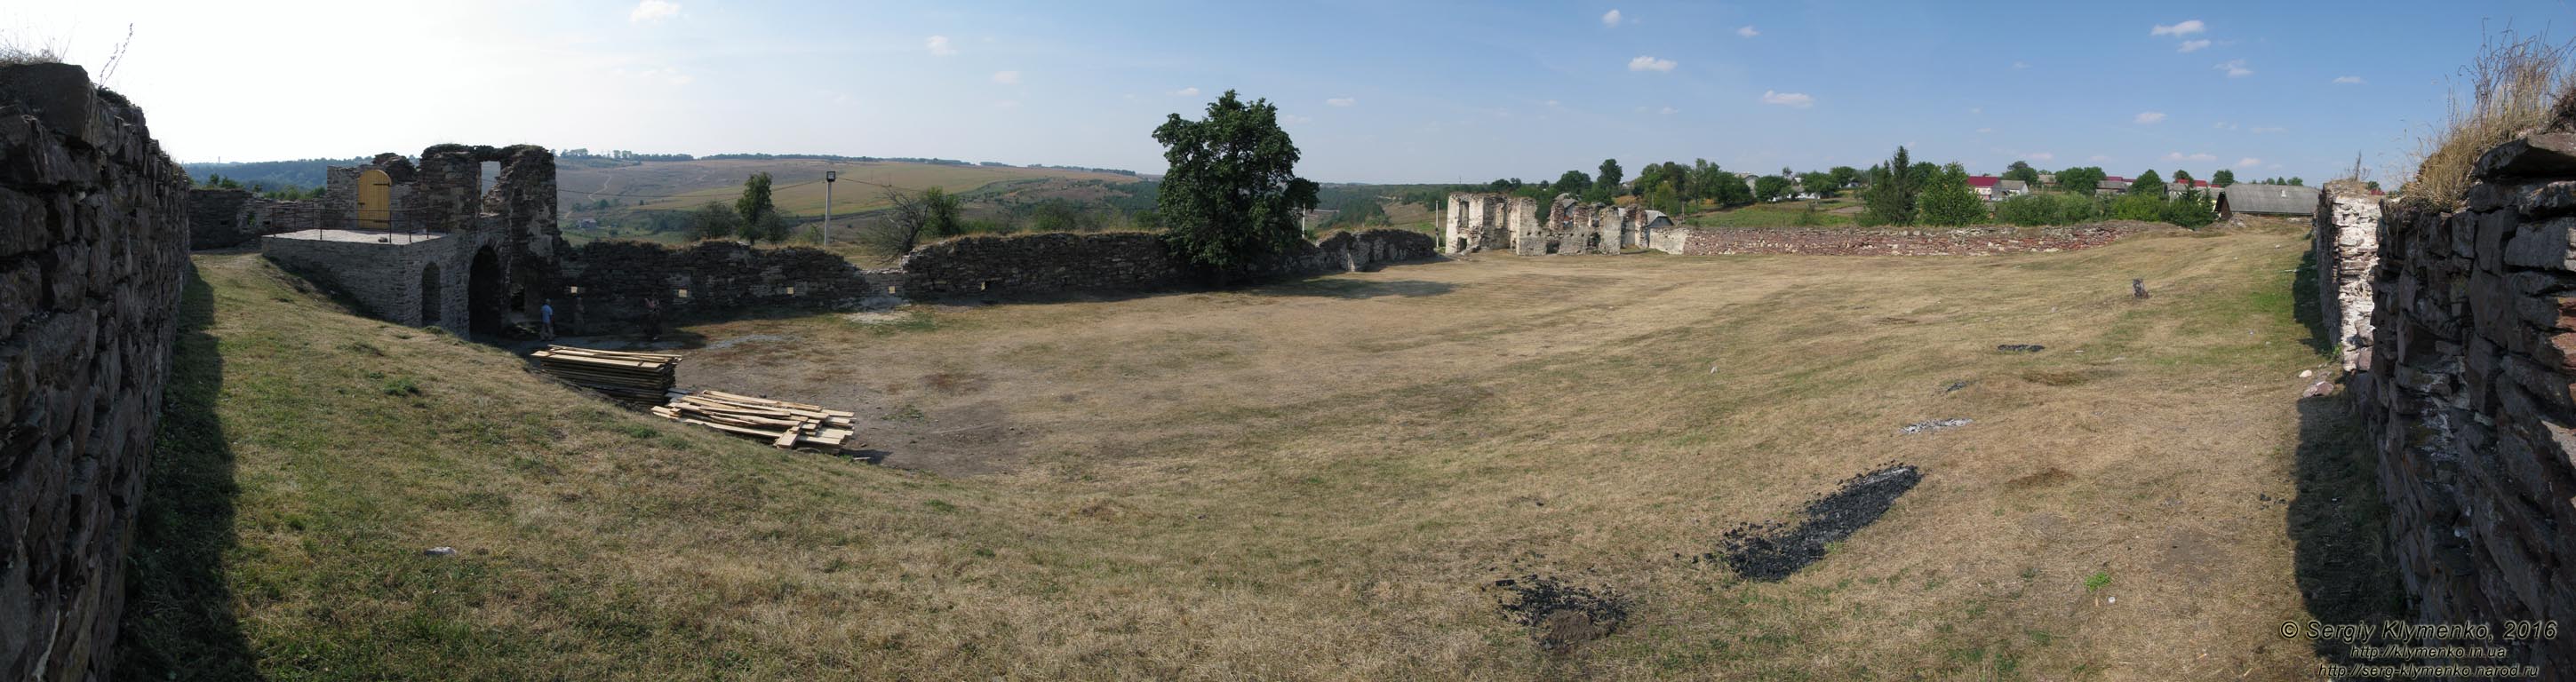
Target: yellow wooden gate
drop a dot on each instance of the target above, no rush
(375, 200)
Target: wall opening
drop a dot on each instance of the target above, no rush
(431, 300)
(487, 305)
(1552, 246)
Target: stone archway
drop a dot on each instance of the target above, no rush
(487, 300)
(432, 299)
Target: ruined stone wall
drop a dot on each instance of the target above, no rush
(215, 218)
(2466, 395)
(616, 277)
(91, 262)
(1477, 221)
(1972, 241)
(2346, 247)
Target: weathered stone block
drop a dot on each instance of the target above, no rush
(2531, 156)
(2542, 245)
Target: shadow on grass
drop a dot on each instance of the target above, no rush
(179, 622)
(2346, 573)
(2309, 310)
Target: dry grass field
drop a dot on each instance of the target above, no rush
(681, 185)
(1309, 480)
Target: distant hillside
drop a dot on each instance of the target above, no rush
(270, 174)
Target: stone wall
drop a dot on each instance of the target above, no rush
(2346, 247)
(1970, 241)
(390, 275)
(91, 264)
(1576, 227)
(2466, 395)
(614, 278)
(1477, 221)
(215, 218)
(1041, 263)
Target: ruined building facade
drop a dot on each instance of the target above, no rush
(425, 244)
(1482, 221)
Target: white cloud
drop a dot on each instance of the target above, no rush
(2223, 125)
(2201, 157)
(938, 45)
(2248, 162)
(1668, 111)
(2192, 45)
(1747, 32)
(653, 10)
(1006, 104)
(2147, 117)
(1977, 110)
(1341, 101)
(2021, 65)
(2268, 129)
(2098, 158)
(1186, 92)
(1610, 19)
(1643, 63)
(1006, 77)
(1788, 99)
(2040, 156)
(2235, 68)
(1551, 103)
(1982, 131)
(1293, 119)
(2178, 30)
(2349, 80)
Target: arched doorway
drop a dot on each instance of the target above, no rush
(432, 301)
(487, 304)
(375, 200)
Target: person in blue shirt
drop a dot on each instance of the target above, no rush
(546, 317)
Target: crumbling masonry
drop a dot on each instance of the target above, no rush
(424, 245)
(1490, 221)
(2346, 248)
(92, 256)
(2466, 396)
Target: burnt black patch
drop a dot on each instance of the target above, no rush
(1771, 551)
(1561, 616)
(2021, 348)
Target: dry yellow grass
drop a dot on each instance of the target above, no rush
(2514, 86)
(1314, 480)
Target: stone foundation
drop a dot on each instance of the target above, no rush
(2466, 397)
(2346, 247)
(91, 264)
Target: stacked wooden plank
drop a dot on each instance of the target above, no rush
(782, 424)
(639, 379)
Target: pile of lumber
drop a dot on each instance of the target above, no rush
(780, 423)
(639, 379)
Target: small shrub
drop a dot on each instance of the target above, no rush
(2097, 581)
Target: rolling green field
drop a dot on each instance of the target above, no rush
(797, 183)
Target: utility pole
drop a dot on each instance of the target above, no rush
(828, 177)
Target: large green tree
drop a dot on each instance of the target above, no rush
(1845, 176)
(2148, 183)
(2021, 170)
(1772, 188)
(1949, 201)
(1232, 195)
(1573, 181)
(2081, 180)
(760, 219)
(1890, 197)
(2222, 178)
(1609, 178)
(1820, 183)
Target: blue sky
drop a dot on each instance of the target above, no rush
(1372, 91)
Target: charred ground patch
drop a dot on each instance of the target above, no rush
(1770, 550)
